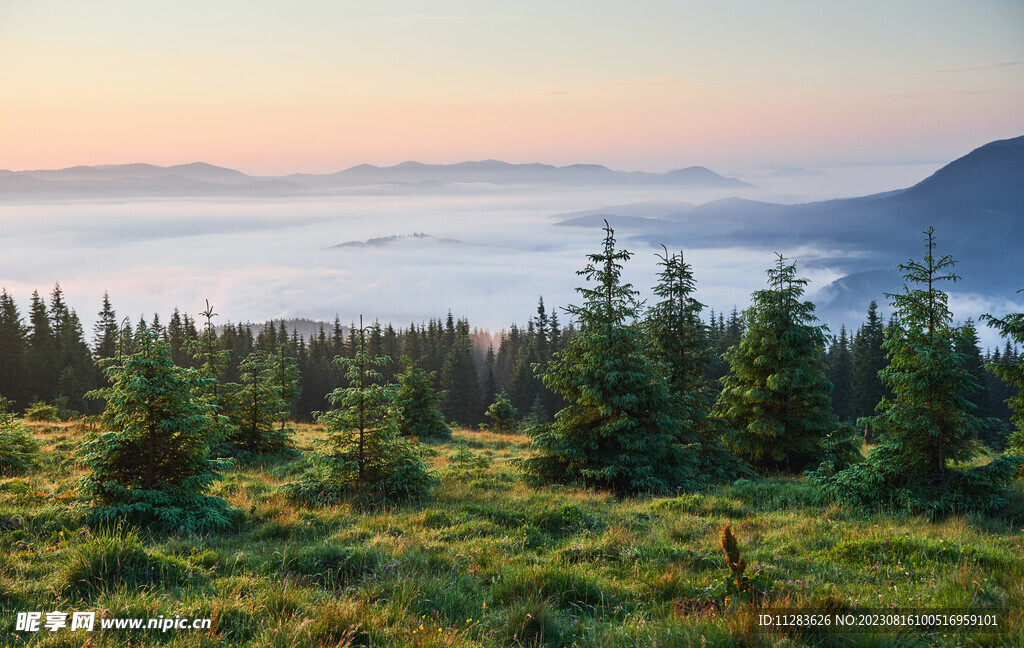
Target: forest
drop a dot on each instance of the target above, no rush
(619, 457)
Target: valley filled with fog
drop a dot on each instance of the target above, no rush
(409, 252)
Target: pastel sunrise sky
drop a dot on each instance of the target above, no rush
(272, 87)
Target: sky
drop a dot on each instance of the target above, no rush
(303, 86)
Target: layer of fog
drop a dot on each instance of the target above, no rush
(488, 254)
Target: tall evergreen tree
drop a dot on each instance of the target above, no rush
(867, 389)
(679, 340)
(105, 331)
(776, 397)
(1012, 372)
(619, 430)
(41, 359)
(928, 424)
(840, 373)
(13, 350)
(461, 403)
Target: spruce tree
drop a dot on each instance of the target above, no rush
(421, 416)
(840, 373)
(776, 398)
(105, 332)
(867, 389)
(502, 414)
(461, 403)
(619, 430)
(41, 369)
(19, 450)
(928, 425)
(258, 406)
(150, 463)
(13, 349)
(681, 344)
(1011, 372)
(364, 452)
(679, 340)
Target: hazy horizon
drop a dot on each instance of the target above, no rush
(274, 88)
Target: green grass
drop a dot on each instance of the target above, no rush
(492, 561)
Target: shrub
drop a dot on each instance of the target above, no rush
(19, 450)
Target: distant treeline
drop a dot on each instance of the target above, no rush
(47, 358)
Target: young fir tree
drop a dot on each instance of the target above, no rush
(1012, 373)
(776, 398)
(928, 425)
(19, 450)
(364, 450)
(212, 360)
(258, 406)
(421, 416)
(502, 414)
(619, 430)
(150, 463)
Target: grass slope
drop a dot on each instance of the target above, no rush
(491, 561)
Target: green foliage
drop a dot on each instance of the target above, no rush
(19, 450)
(41, 411)
(259, 404)
(150, 463)
(620, 430)
(110, 560)
(421, 416)
(776, 397)
(928, 426)
(364, 451)
(502, 414)
(1012, 326)
(461, 398)
(681, 344)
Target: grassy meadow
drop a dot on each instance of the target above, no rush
(494, 561)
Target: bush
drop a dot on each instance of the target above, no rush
(19, 450)
(40, 411)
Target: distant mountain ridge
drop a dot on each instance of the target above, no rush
(202, 179)
(975, 203)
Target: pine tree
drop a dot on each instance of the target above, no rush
(928, 425)
(840, 373)
(19, 450)
(41, 359)
(502, 414)
(619, 430)
(867, 389)
(13, 349)
(150, 463)
(105, 332)
(776, 397)
(258, 406)
(421, 416)
(461, 402)
(679, 340)
(1011, 372)
(364, 450)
